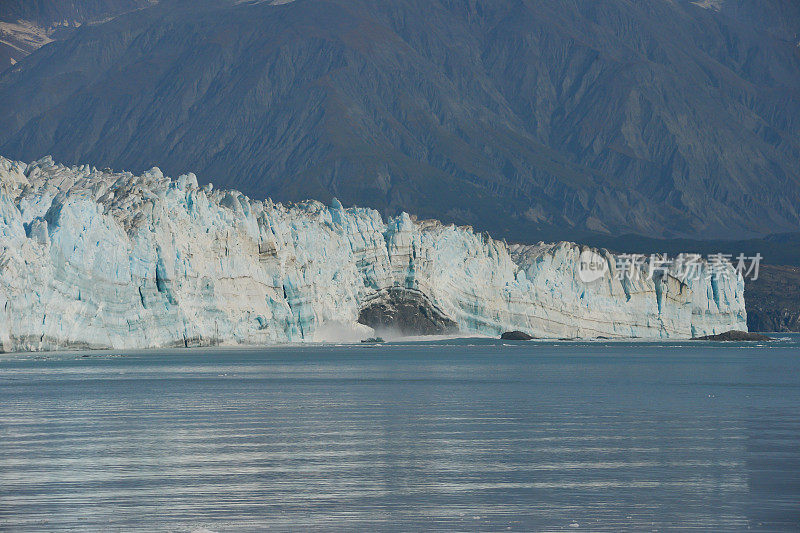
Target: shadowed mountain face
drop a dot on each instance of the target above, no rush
(773, 301)
(534, 120)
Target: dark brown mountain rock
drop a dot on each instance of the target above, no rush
(532, 120)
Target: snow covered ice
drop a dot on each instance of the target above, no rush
(95, 259)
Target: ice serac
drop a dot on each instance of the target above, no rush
(97, 259)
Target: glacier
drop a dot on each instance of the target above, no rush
(98, 259)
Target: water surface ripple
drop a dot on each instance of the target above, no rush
(452, 435)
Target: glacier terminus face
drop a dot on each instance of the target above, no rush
(98, 259)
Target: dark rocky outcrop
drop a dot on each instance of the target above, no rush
(773, 300)
(734, 336)
(516, 336)
(406, 311)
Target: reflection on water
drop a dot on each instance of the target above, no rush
(474, 435)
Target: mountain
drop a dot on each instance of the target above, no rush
(530, 119)
(773, 300)
(26, 25)
(95, 259)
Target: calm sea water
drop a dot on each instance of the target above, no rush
(465, 435)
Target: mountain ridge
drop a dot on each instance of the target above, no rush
(521, 118)
(26, 25)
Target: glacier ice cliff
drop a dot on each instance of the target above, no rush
(97, 259)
